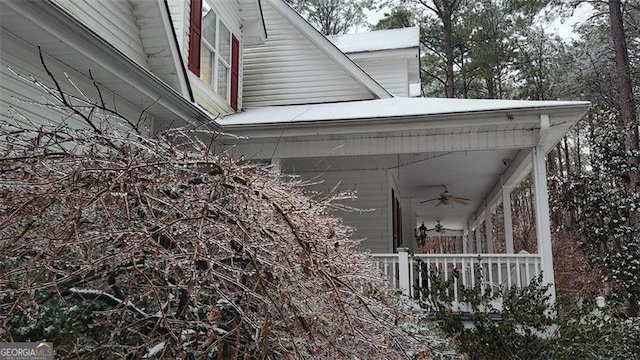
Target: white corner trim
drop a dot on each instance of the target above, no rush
(175, 51)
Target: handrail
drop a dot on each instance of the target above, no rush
(475, 256)
(500, 271)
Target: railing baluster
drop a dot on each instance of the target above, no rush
(411, 277)
(445, 271)
(463, 272)
(509, 284)
(473, 272)
(456, 301)
(386, 271)
(428, 275)
(519, 272)
(490, 276)
(420, 284)
(500, 264)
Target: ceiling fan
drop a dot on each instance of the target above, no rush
(446, 197)
(439, 228)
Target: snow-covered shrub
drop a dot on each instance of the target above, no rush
(117, 245)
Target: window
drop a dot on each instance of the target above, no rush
(214, 52)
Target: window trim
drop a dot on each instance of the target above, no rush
(197, 41)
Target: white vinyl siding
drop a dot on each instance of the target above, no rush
(392, 75)
(113, 20)
(373, 194)
(23, 58)
(290, 69)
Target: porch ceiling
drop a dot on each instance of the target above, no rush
(469, 174)
(471, 146)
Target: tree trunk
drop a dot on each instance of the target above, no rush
(447, 23)
(627, 108)
(559, 155)
(627, 114)
(566, 155)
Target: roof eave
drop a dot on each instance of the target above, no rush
(69, 30)
(412, 122)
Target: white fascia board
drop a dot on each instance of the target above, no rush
(75, 34)
(389, 54)
(400, 38)
(395, 56)
(381, 110)
(340, 58)
(567, 115)
(383, 144)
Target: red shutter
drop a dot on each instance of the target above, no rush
(195, 31)
(235, 63)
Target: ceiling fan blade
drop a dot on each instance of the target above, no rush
(461, 201)
(439, 203)
(426, 201)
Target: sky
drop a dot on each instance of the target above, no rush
(562, 27)
(565, 29)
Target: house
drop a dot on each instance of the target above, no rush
(335, 109)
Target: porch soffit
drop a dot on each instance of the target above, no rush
(396, 126)
(284, 148)
(159, 43)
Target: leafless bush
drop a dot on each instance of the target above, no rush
(117, 245)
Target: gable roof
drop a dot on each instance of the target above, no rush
(298, 65)
(378, 40)
(331, 50)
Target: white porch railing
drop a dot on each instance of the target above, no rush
(413, 274)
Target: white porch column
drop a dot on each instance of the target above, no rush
(276, 167)
(543, 225)
(465, 240)
(488, 221)
(404, 282)
(478, 236)
(508, 225)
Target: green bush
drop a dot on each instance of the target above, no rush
(527, 327)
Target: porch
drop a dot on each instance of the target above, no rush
(421, 276)
(444, 163)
